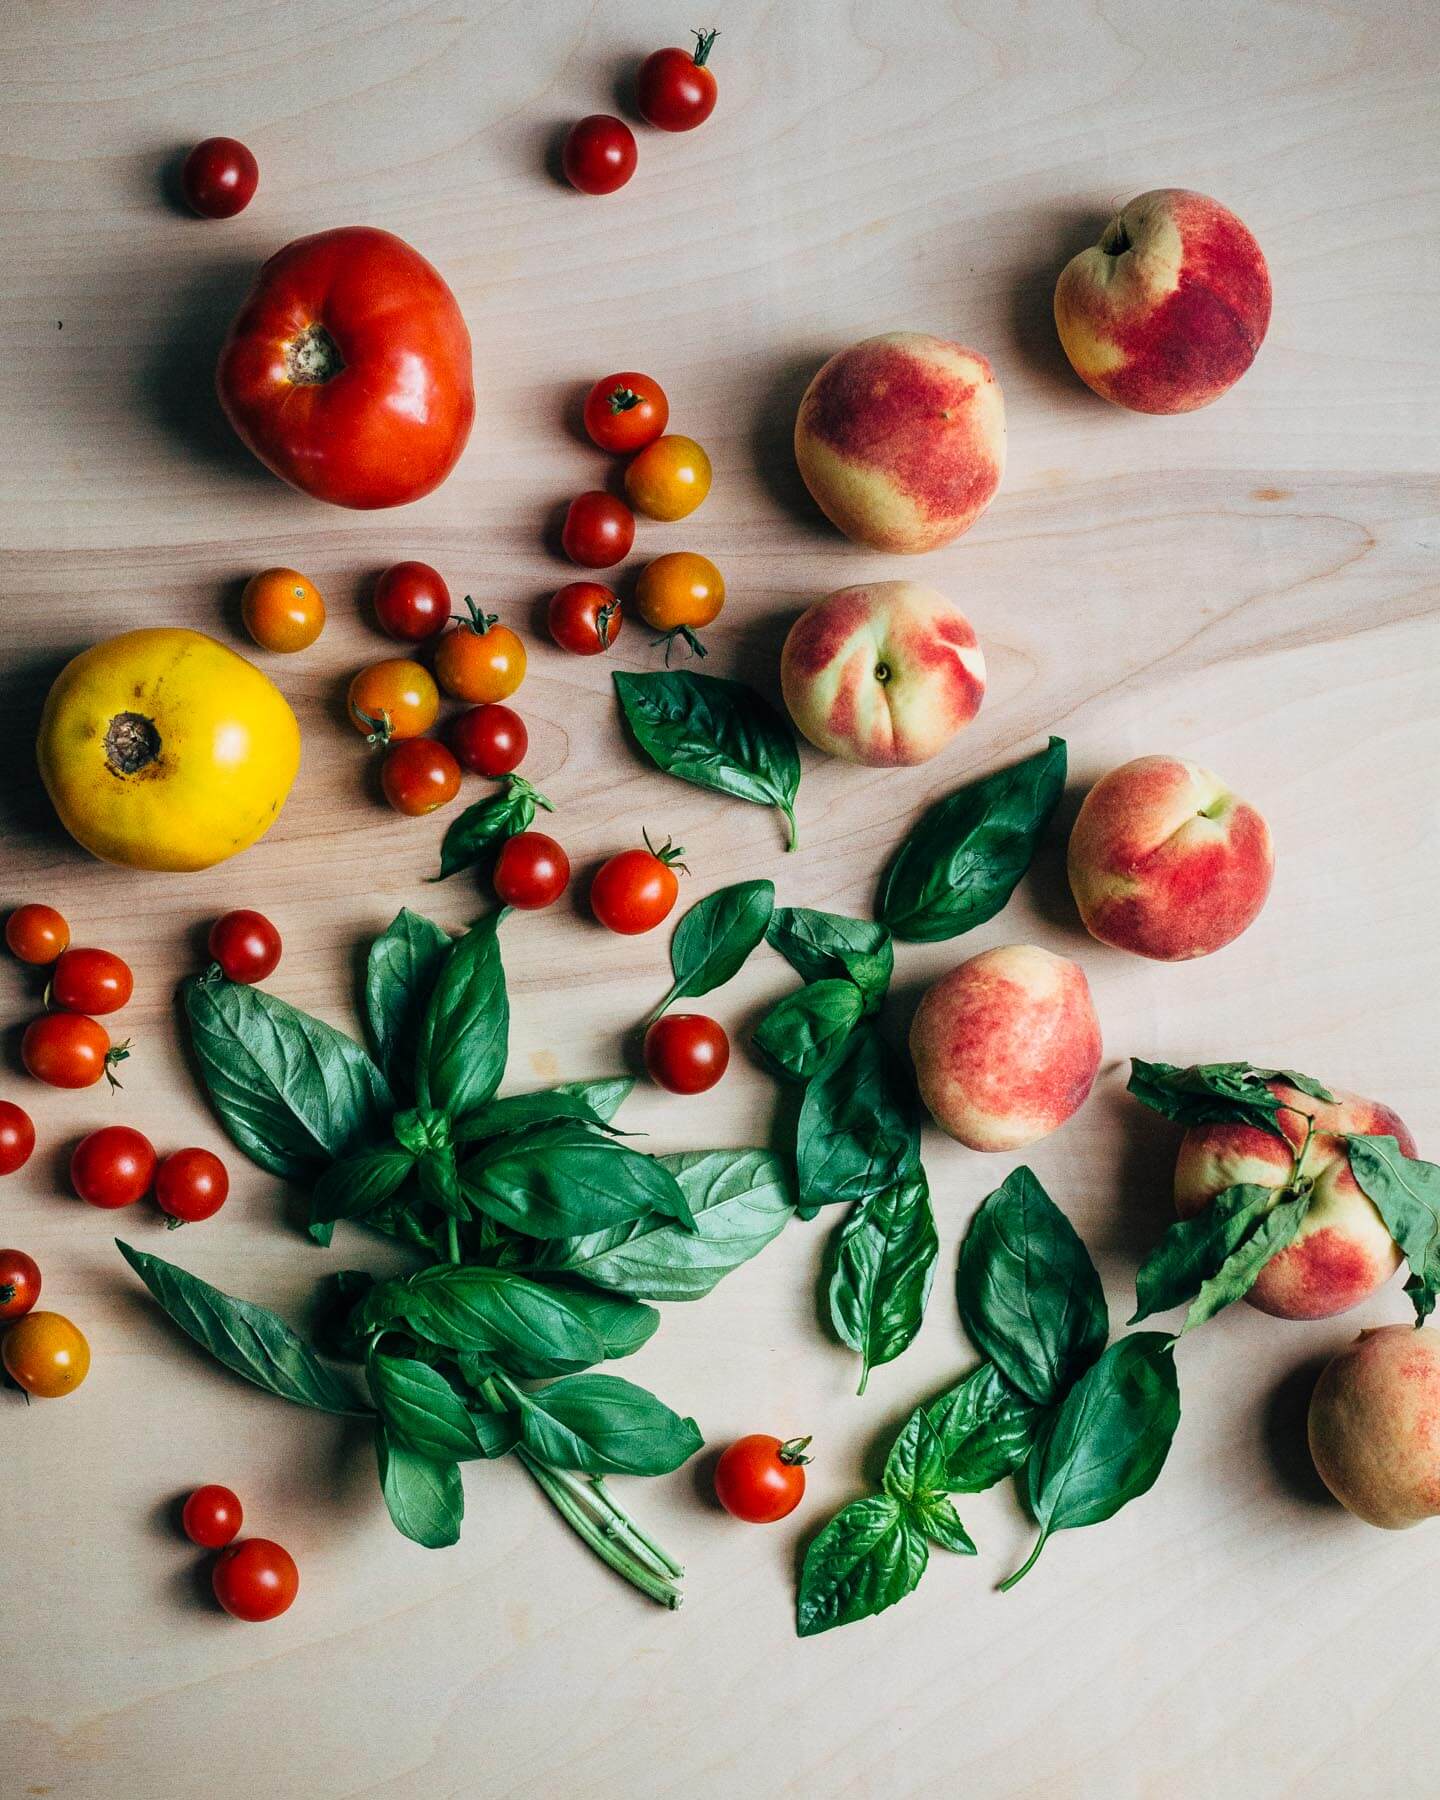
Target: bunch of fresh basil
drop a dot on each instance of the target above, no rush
(1084, 1429)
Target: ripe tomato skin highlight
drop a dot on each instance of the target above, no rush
(113, 1166)
(490, 740)
(480, 660)
(91, 981)
(255, 1580)
(46, 1355)
(219, 178)
(585, 617)
(599, 154)
(635, 890)
(760, 1479)
(418, 775)
(212, 1516)
(676, 90)
(598, 530)
(625, 412)
(19, 1284)
(531, 872)
(412, 602)
(669, 479)
(68, 1050)
(245, 944)
(396, 698)
(36, 934)
(282, 610)
(686, 1053)
(17, 1137)
(191, 1185)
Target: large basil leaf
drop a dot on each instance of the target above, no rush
(357, 1184)
(859, 1130)
(1192, 1250)
(820, 946)
(250, 1339)
(465, 1032)
(1406, 1193)
(565, 1182)
(1029, 1296)
(986, 1428)
(426, 1498)
(486, 825)
(884, 1267)
(714, 938)
(623, 1324)
(1237, 1274)
(420, 1408)
(292, 1092)
(1229, 1093)
(1107, 1442)
(869, 1556)
(602, 1425)
(717, 734)
(964, 858)
(798, 1036)
(399, 973)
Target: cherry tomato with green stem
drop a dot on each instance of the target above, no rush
(412, 602)
(480, 660)
(191, 1185)
(113, 1167)
(19, 1284)
(46, 1355)
(598, 530)
(635, 891)
(70, 1050)
(490, 740)
(585, 617)
(676, 89)
(686, 1053)
(255, 1580)
(36, 934)
(245, 944)
(760, 1479)
(212, 1516)
(396, 698)
(91, 981)
(531, 872)
(599, 155)
(625, 412)
(17, 1137)
(419, 775)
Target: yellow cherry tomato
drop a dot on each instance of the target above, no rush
(282, 610)
(162, 749)
(393, 699)
(46, 1355)
(479, 660)
(668, 479)
(679, 593)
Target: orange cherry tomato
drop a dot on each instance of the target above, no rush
(418, 775)
(36, 934)
(678, 594)
(46, 1355)
(669, 479)
(282, 610)
(396, 698)
(480, 661)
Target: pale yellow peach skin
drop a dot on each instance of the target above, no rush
(901, 440)
(882, 674)
(1375, 1426)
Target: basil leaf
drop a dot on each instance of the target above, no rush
(250, 1339)
(1029, 1296)
(717, 734)
(418, 1406)
(884, 1267)
(800, 1034)
(1107, 1442)
(291, 1091)
(1236, 1275)
(820, 945)
(604, 1096)
(565, 1183)
(1217, 1093)
(399, 973)
(602, 1425)
(498, 1433)
(1406, 1193)
(486, 825)
(858, 1130)
(332, 1315)
(867, 1557)
(941, 1524)
(623, 1324)
(439, 1182)
(520, 1112)
(915, 1468)
(964, 858)
(986, 1428)
(714, 938)
(356, 1185)
(464, 1035)
(1192, 1250)
(426, 1498)
(740, 1200)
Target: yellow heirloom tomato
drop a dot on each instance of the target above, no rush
(166, 750)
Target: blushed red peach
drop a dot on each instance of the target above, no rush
(1342, 1251)
(1164, 860)
(1375, 1426)
(1168, 310)
(1006, 1047)
(882, 674)
(901, 439)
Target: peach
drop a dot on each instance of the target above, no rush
(901, 439)
(1375, 1426)
(1164, 860)
(882, 674)
(1168, 310)
(1006, 1046)
(1342, 1251)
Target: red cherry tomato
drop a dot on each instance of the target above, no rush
(598, 530)
(635, 890)
(412, 602)
(113, 1166)
(531, 871)
(418, 775)
(599, 154)
(490, 740)
(760, 1479)
(17, 1137)
(191, 1185)
(70, 1050)
(686, 1053)
(36, 934)
(212, 1517)
(625, 412)
(219, 178)
(91, 981)
(676, 91)
(255, 1580)
(19, 1283)
(585, 617)
(245, 944)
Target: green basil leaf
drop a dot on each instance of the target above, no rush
(820, 946)
(986, 1428)
(566, 1183)
(465, 1033)
(439, 1182)
(798, 1036)
(250, 1339)
(915, 1471)
(529, 1329)
(521, 1112)
(964, 858)
(1029, 1296)
(1192, 1250)
(1236, 1275)
(420, 1409)
(292, 1092)
(941, 1524)
(1406, 1193)
(399, 973)
(356, 1185)
(623, 1324)
(426, 1498)
(1107, 1442)
(486, 825)
(867, 1557)
(605, 1095)
(859, 1130)
(884, 1267)
(1217, 1093)
(332, 1316)
(715, 937)
(498, 1433)
(602, 1425)
(717, 734)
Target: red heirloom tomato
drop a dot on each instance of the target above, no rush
(91, 981)
(635, 890)
(418, 775)
(584, 617)
(212, 1517)
(348, 371)
(113, 1166)
(599, 154)
(245, 944)
(759, 1479)
(191, 1185)
(19, 1283)
(255, 1580)
(490, 740)
(676, 92)
(531, 871)
(69, 1050)
(686, 1053)
(36, 934)
(598, 530)
(17, 1137)
(625, 412)
(219, 178)
(412, 602)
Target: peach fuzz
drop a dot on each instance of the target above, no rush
(1375, 1426)
(1006, 1046)
(1164, 860)
(901, 440)
(1168, 310)
(882, 674)
(1342, 1252)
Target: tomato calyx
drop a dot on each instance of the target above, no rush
(7, 1292)
(623, 399)
(669, 853)
(117, 1053)
(313, 357)
(603, 621)
(474, 619)
(378, 727)
(687, 635)
(792, 1452)
(704, 44)
(131, 743)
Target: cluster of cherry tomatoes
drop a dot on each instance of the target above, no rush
(42, 1352)
(675, 91)
(67, 1047)
(117, 1165)
(253, 1580)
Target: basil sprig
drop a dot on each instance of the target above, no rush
(1228, 1093)
(485, 826)
(715, 937)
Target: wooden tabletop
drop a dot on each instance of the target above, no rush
(1252, 586)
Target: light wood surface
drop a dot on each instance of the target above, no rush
(1253, 586)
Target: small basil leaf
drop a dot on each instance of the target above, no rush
(485, 825)
(941, 1524)
(439, 1181)
(986, 1428)
(884, 1266)
(868, 1557)
(859, 1130)
(1237, 1274)
(715, 937)
(1406, 1193)
(564, 1183)
(915, 1468)
(426, 1498)
(358, 1184)
(1192, 1250)
(520, 1112)
(464, 1035)
(399, 973)
(601, 1425)
(820, 946)
(800, 1034)
(421, 1409)
(421, 1128)
(1218, 1093)
(604, 1096)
